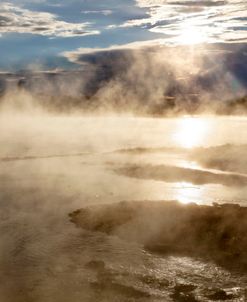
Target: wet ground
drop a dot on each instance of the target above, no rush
(52, 166)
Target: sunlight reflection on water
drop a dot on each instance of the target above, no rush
(186, 192)
(191, 132)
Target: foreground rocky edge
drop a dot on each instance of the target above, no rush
(215, 232)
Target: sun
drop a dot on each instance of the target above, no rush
(191, 35)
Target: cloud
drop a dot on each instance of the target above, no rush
(75, 55)
(14, 19)
(105, 12)
(151, 3)
(207, 21)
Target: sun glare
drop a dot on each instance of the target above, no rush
(191, 35)
(187, 193)
(191, 132)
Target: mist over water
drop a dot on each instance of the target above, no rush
(123, 168)
(54, 164)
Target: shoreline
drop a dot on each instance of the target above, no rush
(214, 233)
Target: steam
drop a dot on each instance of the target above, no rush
(211, 232)
(140, 79)
(226, 158)
(58, 131)
(175, 174)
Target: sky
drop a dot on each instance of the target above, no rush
(52, 34)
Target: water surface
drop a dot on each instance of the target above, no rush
(52, 165)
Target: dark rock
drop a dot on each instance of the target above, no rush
(220, 295)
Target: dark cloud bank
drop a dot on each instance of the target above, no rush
(157, 80)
